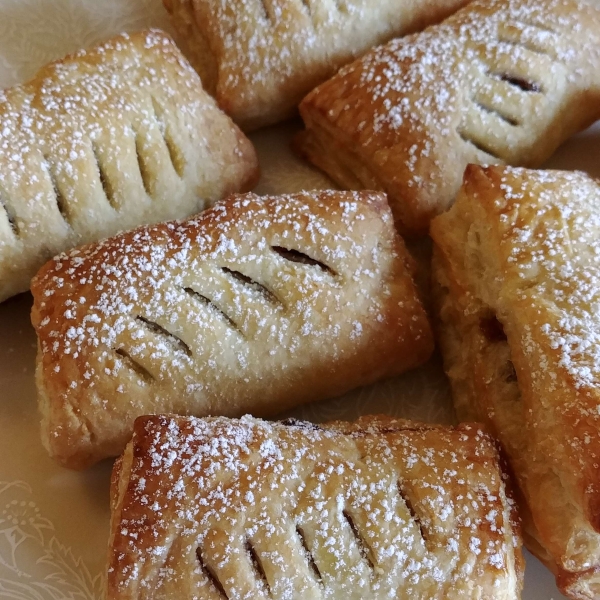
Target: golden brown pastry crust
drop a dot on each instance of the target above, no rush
(380, 508)
(256, 305)
(105, 140)
(518, 292)
(499, 81)
(260, 57)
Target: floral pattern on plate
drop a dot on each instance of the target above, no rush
(34, 565)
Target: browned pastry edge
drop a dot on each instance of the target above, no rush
(135, 464)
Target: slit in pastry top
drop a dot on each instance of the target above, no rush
(256, 305)
(500, 81)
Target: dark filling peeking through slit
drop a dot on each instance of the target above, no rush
(210, 574)
(251, 283)
(10, 215)
(411, 509)
(175, 342)
(308, 554)
(523, 84)
(299, 257)
(363, 548)
(257, 565)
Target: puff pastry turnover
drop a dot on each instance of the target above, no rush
(257, 305)
(260, 57)
(105, 140)
(381, 508)
(518, 288)
(501, 81)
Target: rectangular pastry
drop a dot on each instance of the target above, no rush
(258, 304)
(500, 81)
(105, 140)
(381, 508)
(260, 57)
(517, 274)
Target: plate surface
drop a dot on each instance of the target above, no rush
(54, 522)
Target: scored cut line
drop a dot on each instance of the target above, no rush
(61, 201)
(209, 303)
(175, 341)
(210, 574)
(10, 214)
(308, 555)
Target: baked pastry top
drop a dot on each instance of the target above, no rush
(381, 508)
(517, 272)
(260, 57)
(500, 81)
(258, 304)
(105, 140)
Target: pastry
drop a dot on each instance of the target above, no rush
(518, 290)
(258, 304)
(382, 508)
(501, 81)
(260, 57)
(106, 140)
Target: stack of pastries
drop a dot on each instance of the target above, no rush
(156, 345)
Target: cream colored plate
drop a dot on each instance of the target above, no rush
(54, 522)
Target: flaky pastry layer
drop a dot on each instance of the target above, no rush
(260, 57)
(518, 291)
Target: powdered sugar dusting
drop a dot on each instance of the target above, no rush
(414, 80)
(485, 86)
(260, 57)
(261, 302)
(551, 219)
(105, 140)
(258, 509)
(549, 295)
